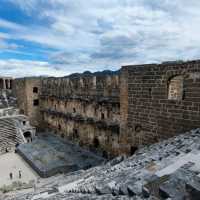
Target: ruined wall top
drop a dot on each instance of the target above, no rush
(86, 84)
(165, 64)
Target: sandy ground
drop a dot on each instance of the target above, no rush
(12, 162)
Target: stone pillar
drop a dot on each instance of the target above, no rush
(124, 110)
(8, 84)
(4, 84)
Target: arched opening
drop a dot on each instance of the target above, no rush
(133, 150)
(27, 134)
(150, 92)
(35, 90)
(96, 142)
(102, 116)
(75, 134)
(105, 154)
(74, 110)
(175, 88)
(36, 102)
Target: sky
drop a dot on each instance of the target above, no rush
(59, 37)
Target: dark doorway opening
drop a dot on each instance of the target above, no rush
(133, 150)
(1, 84)
(35, 90)
(27, 134)
(36, 102)
(105, 154)
(75, 134)
(96, 142)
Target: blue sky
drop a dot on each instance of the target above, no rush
(58, 37)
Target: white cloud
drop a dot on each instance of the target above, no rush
(110, 33)
(10, 25)
(21, 68)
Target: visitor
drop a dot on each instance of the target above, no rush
(11, 176)
(20, 174)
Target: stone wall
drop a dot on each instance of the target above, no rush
(27, 92)
(158, 102)
(116, 113)
(84, 109)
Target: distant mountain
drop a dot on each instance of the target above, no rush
(98, 73)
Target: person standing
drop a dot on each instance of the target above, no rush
(20, 174)
(11, 176)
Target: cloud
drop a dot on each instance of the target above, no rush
(21, 68)
(10, 25)
(101, 33)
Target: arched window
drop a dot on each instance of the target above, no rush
(35, 90)
(175, 88)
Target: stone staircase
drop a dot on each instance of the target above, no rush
(9, 135)
(167, 170)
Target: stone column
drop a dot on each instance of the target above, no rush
(4, 84)
(8, 84)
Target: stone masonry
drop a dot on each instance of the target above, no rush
(116, 113)
(158, 102)
(27, 91)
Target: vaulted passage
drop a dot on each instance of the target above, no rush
(27, 134)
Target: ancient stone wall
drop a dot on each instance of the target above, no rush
(116, 113)
(84, 109)
(158, 102)
(27, 91)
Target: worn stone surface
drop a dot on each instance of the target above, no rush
(49, 155)
(143, 176)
